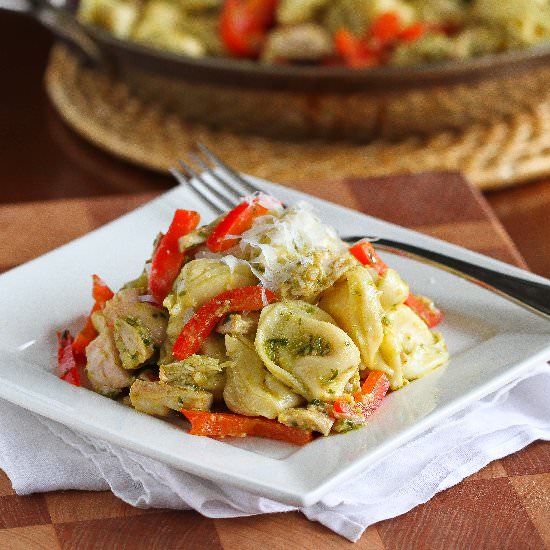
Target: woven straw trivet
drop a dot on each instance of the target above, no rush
(105, 112)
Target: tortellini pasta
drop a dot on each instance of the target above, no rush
(291, 12)
(250, 388)
(393, 289)
(437, 10)
(525, 22)
(421, 349)
(409, 349)
(119, 17)
(355, 305)
(305, 349)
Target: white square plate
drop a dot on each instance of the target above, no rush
(491, 340)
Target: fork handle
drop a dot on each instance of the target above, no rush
(531, 293)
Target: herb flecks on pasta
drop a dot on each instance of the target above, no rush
(268, 325)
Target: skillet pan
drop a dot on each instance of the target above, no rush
(306, 101)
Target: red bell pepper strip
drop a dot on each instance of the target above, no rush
(373, 390)
(236, 425)
(244, 25)
(354, 50)
(382, 36)
(237, 221)
(167, 258)
(246, 298)
(385, 28)
(367, 255)
(84, 337)
(101, 293)
(425, 309)
(366, 401)
(66, 362)
(413, 32)
(349, 410)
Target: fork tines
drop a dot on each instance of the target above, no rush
(214, 182)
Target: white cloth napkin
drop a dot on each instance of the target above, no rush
(41, 455)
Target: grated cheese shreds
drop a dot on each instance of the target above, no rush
(293, 253)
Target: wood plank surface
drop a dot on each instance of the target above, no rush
(504, 506)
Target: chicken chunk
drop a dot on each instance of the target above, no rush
(159, 399)
(237, 323)
(198, 236)
(303, 42)
(126, 303)
(307, 419)
(133, 341)
(104, 368)
(130, 331)
(198, 370)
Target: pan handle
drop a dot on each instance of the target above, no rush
(62, 23)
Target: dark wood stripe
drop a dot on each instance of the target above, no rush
(6, 266)
(23, 511)
(534, 459)
(437, 198)
(160, 531)
(5, 485)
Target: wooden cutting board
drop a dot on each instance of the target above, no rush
(504, 506)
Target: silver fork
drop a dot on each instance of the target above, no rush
(232, 187)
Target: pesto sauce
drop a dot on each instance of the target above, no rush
(314, 345)
(345, 425)
(132, 321)
(310, 346)
(332, 376)
(272, 347)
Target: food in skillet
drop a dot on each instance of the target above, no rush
(356, 33)
(262, 322)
